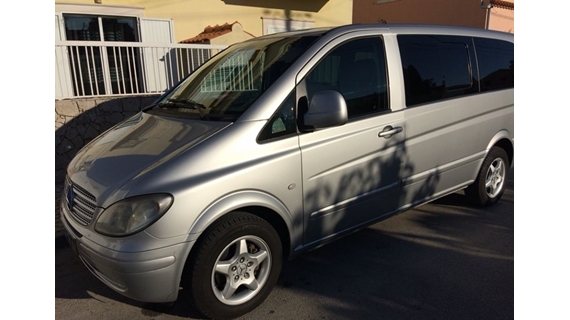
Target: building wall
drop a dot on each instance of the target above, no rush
(191, 16)
(466, 13)
(502, 20)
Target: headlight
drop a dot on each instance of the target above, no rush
(131, 215)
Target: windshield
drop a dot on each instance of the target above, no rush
(224, 88)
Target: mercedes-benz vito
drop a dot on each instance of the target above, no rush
(283, 143)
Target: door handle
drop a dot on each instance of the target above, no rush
(389, 131)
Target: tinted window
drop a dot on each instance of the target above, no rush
(496, 64)
(436, 67)
(356, 69)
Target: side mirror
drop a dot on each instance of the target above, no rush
(326, 109)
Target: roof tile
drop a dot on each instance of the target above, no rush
(503, 4)
(210, 33)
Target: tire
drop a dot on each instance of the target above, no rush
(490, 183)
(236, 264)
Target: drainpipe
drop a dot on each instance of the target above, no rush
(487, 12)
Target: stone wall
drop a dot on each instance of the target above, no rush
(78, 121)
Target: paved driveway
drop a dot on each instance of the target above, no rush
(442, 260)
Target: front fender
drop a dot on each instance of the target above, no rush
(242, 199)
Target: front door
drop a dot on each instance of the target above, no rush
(351, 173)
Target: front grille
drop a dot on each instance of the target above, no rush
(80, 202)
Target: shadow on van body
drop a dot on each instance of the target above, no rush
(376, 198)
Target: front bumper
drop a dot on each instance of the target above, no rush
(148, 276)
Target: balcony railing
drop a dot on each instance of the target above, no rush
(92, 68)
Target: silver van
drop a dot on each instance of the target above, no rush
(283, 143)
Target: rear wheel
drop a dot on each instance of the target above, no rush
(235, 266)
(490, 183)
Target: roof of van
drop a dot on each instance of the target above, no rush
(399, 28)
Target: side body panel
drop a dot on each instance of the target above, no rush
(447, 142)
(350, 175)
(448, 139)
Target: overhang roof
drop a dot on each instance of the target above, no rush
(503, 4)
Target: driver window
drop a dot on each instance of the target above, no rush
(356, 69)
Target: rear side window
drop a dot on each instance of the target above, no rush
(436, 67)
(496, 64)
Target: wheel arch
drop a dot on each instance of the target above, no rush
(504, 141)
(257, 203)
(254, 202)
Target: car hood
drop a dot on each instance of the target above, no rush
(131, 148)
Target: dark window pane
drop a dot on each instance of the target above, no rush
(82, 28)
(124, 69)
(119, 29)
(455, 64)
(435, 67)
(357, 70)
(421, 64)
(87, 70)
(496, 64)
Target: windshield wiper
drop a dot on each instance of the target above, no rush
(191, 104)
(185, 103)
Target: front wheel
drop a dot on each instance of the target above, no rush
(490, 183)
(236, 264)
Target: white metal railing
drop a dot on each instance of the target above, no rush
(93, 68)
